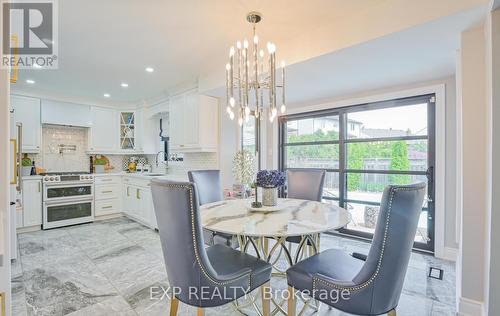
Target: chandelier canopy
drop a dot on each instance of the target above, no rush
(251, 83)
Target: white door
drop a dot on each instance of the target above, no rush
(32, 203)
(27, 111)
(149, 207)
(103, 133)
(141, 207)
(127, 199)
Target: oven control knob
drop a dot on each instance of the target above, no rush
(52, 178)
(46, 179)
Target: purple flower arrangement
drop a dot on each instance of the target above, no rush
(270, 178)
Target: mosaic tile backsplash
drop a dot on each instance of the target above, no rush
(52, 160)
(55, 158)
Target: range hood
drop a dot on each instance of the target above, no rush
(65, 113)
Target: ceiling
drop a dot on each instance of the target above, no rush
(104, 43)
(419, 54)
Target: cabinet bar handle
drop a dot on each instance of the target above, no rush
(128, 193)
(39, 187)
(106, 207)
(107, 180)
(138, 194)
(107, 191)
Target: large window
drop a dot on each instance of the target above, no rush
(364, 148)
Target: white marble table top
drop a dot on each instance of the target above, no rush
(298, 218)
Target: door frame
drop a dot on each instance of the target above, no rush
(439, 90)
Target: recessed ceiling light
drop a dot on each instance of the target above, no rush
(150, 69)
(30, 81)
(124, 85)
(107, 95)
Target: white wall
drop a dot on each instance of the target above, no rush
(228, 145)
(493, 271)
(475, 173)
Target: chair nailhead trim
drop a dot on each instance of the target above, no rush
(379, 263)
(193, 230)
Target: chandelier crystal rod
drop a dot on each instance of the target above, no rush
(259, 83)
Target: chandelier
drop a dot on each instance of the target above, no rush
(251, 83)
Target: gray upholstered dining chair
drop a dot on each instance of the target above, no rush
(198, 273)
(304, 184)
(209, 191)
(371, 287)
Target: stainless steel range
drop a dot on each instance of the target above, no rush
(68, 199)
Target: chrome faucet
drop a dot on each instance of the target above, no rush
(165, 157)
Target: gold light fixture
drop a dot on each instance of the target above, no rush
(251, 83)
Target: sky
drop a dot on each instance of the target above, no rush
(413, 117)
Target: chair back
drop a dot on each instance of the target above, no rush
(177, 214)
(305, 184)
(387, 262)
(208, 185)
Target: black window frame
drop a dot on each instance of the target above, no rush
(342, 141)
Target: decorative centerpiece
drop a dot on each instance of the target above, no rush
(256, 203)
(270, 181)
(243, 171)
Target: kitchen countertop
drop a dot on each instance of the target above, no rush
(145, 175)
(127, 174)
(37, 177)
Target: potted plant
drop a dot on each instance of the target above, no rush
(270, 181)
(243, 171)
(26, 164)
(99, 164)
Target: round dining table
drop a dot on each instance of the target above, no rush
(270, 233)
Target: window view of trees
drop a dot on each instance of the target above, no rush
(397, 155)
(379, 144)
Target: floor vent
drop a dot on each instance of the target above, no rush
(436, 273)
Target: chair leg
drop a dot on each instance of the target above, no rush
(291, 301)
(174, 305)
(200, 311)
(392, 313)
(265, 246)
(266, 300)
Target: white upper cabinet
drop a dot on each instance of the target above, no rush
(103, 136)
(117, 131)
(194, 123)
(64, 113)
(27, 112)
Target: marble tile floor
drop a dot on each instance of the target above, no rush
(109, 267)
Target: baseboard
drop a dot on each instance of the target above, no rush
(28, 229)
(109, 216)
(468, 307)
(450, 254)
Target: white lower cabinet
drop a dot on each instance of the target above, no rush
(32, 203)
(107, 195)
(138, 201)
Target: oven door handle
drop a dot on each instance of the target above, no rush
(68, 201)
